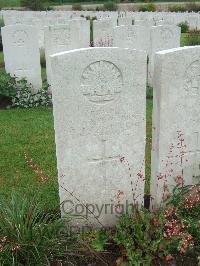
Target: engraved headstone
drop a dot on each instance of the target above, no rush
(176, 120)
(103, 33)
(162, 38)
(134, 37)
(99, 120)
(21, 53)
(125, 21)
(61, 38)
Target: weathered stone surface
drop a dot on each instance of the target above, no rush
(21, 53)
(134, 37)
(103, 33)
(99, 117)
(176, 119)
(162, 38)
(145, 23)
(125, 21)
(74, 35)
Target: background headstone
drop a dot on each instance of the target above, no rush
(21, 53)
(162, 38)
(74, 35)
(176, 119)
(134, 37)
(103, 33)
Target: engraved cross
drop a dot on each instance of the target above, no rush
(103, 159)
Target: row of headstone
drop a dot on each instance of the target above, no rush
(76, 34)
(45, 18)
(148, 38)
(21, 47)
(99, 119)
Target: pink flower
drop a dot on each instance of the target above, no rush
(168, 257)
(182, 251)
(179, 179)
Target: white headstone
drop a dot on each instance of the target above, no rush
(99, 119)
(103, 33)
(144, 23)
(125, 21)
(134, 37)
(162, 38)
(176, 119)
(21, 53)
(65, 37)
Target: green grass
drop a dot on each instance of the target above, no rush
(16, 3)
(31, 131)
(148, 144)
(9, 3)
(1, 58)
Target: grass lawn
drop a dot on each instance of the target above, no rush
(1, 58)
(32, 131)
(16, 3)
(9, 3)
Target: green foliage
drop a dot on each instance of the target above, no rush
(149, 94)
(168, 234)
(176, 8)
(191, 7)
(137, 234)
(100, 241)
(184, 27)
(29, 235)
(147, 7)
(24, 97)
(185, 203)
(110, 6)
(7, 85)
(77, 7)
(34, 4)
(192, 38)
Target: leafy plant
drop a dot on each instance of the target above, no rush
(168, 234)
(192, 38)
(28, 234)
(147, 7)
(34, 4)
(7, 85)
(149, 94)
(193, 7)
(141, 237)
(100, 241)
(25, 98)
(110, 6)
(184, 27)
(77, 7)
(182, 220)
(176, 8)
